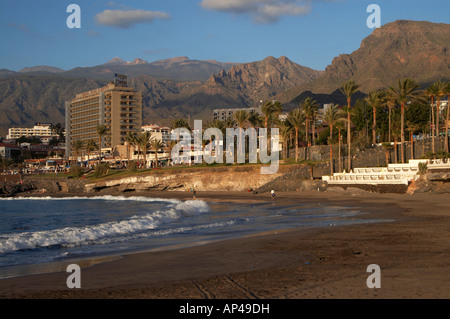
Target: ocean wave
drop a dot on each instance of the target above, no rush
(105, 197)
(75, 236)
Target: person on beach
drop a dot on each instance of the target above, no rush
(272, 194)
(194, 193)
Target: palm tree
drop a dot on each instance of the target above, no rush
(406, 91)
(255, 119)
(286, 131)
(215, 124)
(296, 118)
(5, 163)
(309, 108)
(332, 115)
(77, 146)
(241, 117)
(387, 147)
(101, 130)
(340, 126)
(143, 140)
(132, 141)
(91, 145)
(180, 123)
(447, 92)
(431, 92)
(375, 99)
(348, 89)
(270, 108)
(440, 92)
(156, 145)
(411, 129)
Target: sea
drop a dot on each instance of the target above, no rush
(40, 231)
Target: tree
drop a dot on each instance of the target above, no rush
(411, 128)
(296, 118)
(77, 146)
(375, 99)
(332, 115)
(180, 123)
(215, 124)
(349, 88)
(5, 163)
(144, 143)
(440, 92)
(431, 92)
(270, 108)
(340, 126)
(309, 108)
(156, 145)
(133, 141)
(405, 92)
(387, 147)
(286, 131)
(101, 131)
(447, 92)
(241, 117)
(91, 145)
(255, 119)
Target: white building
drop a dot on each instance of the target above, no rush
(39, 130)
(161, 133)
(9, 151)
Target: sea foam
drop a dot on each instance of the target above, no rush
(103, 232)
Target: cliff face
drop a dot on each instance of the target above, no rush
(415, 49)
(261, 80)
(202, 179)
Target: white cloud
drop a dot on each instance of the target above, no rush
(262, 11)
(128, 18)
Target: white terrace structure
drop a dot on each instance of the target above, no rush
(392, 174)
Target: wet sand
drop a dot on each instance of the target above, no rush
(413, 253)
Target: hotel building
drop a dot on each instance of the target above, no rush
(160, 133)
(116, 106)
(38, 130)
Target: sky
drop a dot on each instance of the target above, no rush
(308, 32)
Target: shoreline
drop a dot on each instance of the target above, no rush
(321, 259)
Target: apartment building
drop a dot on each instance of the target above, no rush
(38, 130)
(116, 106)
(162, 133)
(224, 114)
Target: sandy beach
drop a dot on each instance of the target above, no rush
(412, 251)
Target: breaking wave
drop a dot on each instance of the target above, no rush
(118, 230)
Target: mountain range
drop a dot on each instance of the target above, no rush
(181, 87)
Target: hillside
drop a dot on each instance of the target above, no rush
(176, 69)
(415, 49)
(26, 99)
(180, 87)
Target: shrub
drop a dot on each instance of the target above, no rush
(101, 170)
(76, 171)
(423, 168)
(132, 166)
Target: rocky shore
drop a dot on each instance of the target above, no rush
(226, 179)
